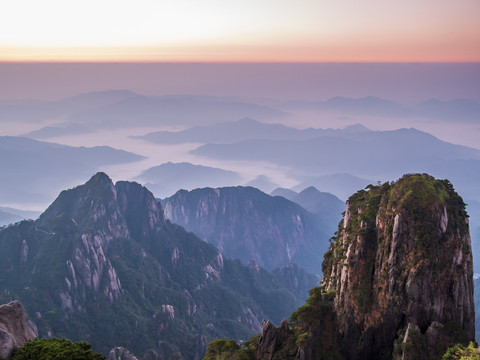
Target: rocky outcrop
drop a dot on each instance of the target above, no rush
(271, 339)
(14, 330)
(245, 223)
(120, 353)
(401, 269)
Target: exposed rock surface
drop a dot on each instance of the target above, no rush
(403, 263)
(398, 280)
(245, 223)
(272, 339)
(120, 353)
(14, 330)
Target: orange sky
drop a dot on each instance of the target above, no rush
(240, 31)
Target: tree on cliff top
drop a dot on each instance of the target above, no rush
(56, 349)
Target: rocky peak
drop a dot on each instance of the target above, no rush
(401, 269)
(120, 353)
(142, 213)
(272, 339)
(14, 330)
(96, 214)
(245, 223)
(89, 206)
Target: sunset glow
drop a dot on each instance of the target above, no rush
(248, 31)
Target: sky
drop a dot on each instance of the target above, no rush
(240, 31)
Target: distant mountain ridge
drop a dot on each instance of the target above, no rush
(243, 129)
(105, 105)
(464, 110)
(32, 169)
(372, 154)
(166, 179)
(246, 223)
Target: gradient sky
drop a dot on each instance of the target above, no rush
(248, 30)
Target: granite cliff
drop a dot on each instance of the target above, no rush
(245, 223)
(15, 331)
(402, 270)
(398, 280)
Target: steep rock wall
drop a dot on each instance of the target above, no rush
(14, 330)
(401, 269)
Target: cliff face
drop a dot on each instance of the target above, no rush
(14, 330)
(398, 278)
(402, 261)
(245, 223)
(102, 265)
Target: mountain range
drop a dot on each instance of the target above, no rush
(456, 110)
(35, 171)
(121, 108)
(166, 179)
(103, 265)
(243, 129)
(334, 154)
(245, 223)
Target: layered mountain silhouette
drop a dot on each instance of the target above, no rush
(356, 152)
(166, 179)
(234, 131)
(35, 171)
(122, 108)
(9, 215)
(125, 108)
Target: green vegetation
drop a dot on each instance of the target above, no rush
(461, 352)
(414, 348)
(416, 345)
(419, 197)
(318, 304)
(220, 349)
(56, 349)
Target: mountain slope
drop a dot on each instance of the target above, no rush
(102, 265)
(246, 223)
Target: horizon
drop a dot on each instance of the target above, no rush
(407, 83)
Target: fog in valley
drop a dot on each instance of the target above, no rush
(170, 127)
